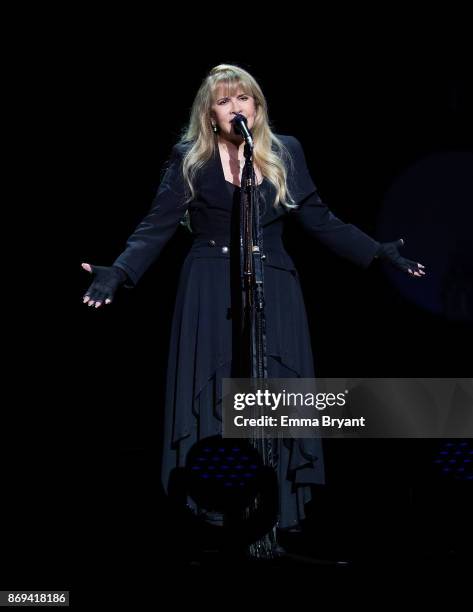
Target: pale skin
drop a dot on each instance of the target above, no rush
(231, 147)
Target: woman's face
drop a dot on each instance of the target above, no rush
(226, 106)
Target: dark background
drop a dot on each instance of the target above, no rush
(112, 97)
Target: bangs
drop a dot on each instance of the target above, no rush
(229, 86)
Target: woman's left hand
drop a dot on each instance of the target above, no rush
(389, 251)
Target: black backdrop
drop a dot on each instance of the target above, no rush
(365, 107)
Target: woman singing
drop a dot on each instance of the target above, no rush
(201, 188)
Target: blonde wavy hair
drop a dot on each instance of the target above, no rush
(203, 140)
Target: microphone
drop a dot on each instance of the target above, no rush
(240, 127)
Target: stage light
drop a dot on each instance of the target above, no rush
(227, 478)
(454, 459)
(223, 475)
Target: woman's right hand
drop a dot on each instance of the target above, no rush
(106, 281)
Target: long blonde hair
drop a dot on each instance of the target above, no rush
(203, 141)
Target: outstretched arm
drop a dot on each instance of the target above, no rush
(144, 246)
(147, 241)
(345, 239)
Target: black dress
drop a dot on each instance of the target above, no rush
(203, 347)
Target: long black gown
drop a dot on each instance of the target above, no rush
(203, 345)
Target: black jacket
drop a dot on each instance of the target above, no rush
(168, 208)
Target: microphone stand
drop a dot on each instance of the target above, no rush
(254, 328)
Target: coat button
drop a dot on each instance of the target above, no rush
(212, 243)
(224, 249)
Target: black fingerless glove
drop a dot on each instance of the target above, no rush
(388, 251)
(106, 281)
